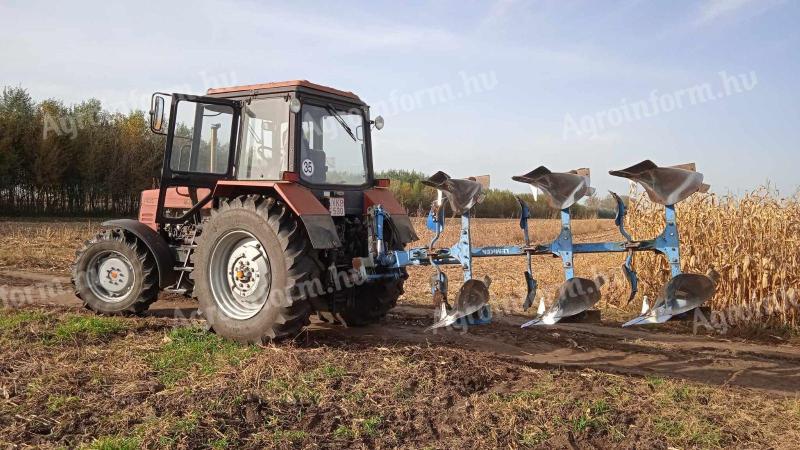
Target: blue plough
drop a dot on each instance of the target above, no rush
(664, 185)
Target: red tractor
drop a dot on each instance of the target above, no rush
(264, 202)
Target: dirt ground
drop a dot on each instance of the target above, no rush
(71, 379)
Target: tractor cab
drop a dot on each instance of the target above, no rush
(289, 131)
(265, 136)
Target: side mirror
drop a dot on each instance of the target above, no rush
(157, 113)
(378, 122)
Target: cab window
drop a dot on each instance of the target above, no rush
(332, 146)
(202, 138)
(265, 140)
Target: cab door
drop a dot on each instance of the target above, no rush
(200, 151)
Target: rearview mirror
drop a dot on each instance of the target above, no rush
(157, 113)
(378, 122)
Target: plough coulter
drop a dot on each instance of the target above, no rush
(664, 185)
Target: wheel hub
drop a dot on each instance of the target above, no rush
(111, 276)
(246, 267)
(114, 274)
(240, 275)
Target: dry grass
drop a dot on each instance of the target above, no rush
(37, 245)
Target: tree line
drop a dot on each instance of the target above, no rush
(81, 160)
(60, 160)
(417, 198)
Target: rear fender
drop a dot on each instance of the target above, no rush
(315, 217)
(156, 245)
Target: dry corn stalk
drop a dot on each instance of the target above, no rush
(751, 242)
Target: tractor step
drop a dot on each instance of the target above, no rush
(180, 291)
(183, 268)
(183, 246)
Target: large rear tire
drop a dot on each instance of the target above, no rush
(253, 271)
(114, 273)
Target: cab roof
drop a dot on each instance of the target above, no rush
(281, 86)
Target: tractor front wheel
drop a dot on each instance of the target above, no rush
(253, 269)
(114, 274)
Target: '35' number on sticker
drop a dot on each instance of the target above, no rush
(308, 167)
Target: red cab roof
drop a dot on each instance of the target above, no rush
(283, 84)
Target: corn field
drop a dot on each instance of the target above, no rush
(750, 245)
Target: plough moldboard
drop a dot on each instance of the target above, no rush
(664, 185)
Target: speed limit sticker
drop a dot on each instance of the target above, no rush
(308, 167)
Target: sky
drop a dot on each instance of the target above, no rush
(468, 87)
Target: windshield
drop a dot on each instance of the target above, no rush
(332, 146)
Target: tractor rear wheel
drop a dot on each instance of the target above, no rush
(253, 269)
(114, 273)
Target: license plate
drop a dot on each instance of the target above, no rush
(336, 206)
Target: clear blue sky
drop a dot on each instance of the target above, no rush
(552, 76)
